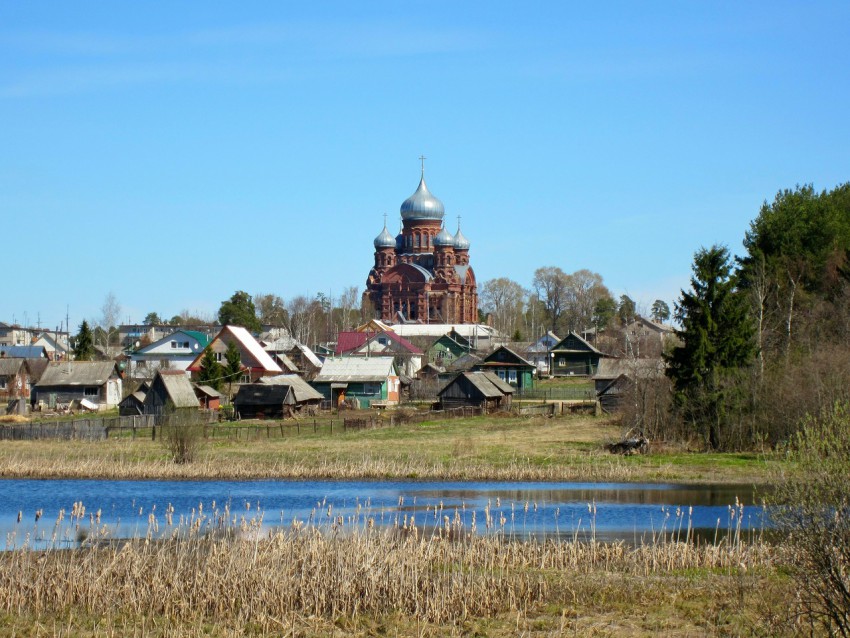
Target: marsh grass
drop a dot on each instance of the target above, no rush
(221, 572)
(482, 448)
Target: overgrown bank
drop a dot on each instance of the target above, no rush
(481, 448)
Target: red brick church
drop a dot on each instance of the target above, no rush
(423, 274)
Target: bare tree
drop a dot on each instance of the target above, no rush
(550, 284)
(110, 314)
(271, 309)
(504, 300)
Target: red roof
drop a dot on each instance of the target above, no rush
(350, 341)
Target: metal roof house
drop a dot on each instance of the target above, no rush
(175, 351)
(366, 380)
(62, 382)
(256, 362)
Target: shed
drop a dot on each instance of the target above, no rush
(479, 389)
(305, 395)
(264, 401)
(615, 377)
(132, 404)
(170, 390)
(209, 397)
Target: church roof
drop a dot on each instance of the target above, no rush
(385, 240)
(444, 238)
(461, 242)
(422, 204)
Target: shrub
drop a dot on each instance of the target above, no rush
(183, 435)
(815, 513)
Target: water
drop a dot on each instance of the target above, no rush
(627, 511)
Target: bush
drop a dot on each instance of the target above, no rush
(815, 513)
(183, 435)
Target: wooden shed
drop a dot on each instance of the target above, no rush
(170, 390)
(264, 401)
(477, 389)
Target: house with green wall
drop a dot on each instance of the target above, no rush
(447, 348)
(573, 356)
(368, 380)
(508, 366)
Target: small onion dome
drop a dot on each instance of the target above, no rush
(461, 242)
(422, 204)
(385, 240)
(444, 238)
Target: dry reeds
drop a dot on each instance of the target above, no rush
(224, 567)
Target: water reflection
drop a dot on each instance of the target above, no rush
(631, 512)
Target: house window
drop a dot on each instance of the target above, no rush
(371, 388)
(562, 362)
(501, 374)
(246, 378)
(2, 383)
(185, 344)
(91, 392)
(571, 343)
(173, 344)
(512, 376)
(382, 341)
(218, 356)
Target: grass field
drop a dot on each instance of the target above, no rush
(481, 448)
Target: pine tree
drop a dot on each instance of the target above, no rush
(84, 343)
(211, 370)
(717, 343)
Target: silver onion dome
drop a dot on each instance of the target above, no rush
(444, 238)
(422, 204)
(461, 242)
(385, 240)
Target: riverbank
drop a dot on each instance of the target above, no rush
(569, 448)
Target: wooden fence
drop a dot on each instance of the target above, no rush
(88, 429)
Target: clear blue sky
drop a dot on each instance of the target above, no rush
(173, 153)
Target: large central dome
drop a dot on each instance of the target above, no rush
(422, 204)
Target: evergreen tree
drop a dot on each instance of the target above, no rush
(660, 311)
(717, 342)
(233, 363)
(211, 372)
(626, 311)
(84, 343)
(239, 310)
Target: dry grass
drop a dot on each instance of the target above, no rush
(224, 575)
(568, 448)
(13, 418)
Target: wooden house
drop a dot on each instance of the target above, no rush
(445, 349)
(574, 356)
(616, 377)
(256, 362)
(478, 389)
(509, 367)
(307, 398)
(365, 380)
(408, 357)
(170, 390)
(14, 379)
(63, 382)
(264, 401)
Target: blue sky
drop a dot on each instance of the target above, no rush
(172, 153)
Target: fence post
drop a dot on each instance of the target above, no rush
(332, 426)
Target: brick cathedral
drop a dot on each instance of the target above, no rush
(423, 274)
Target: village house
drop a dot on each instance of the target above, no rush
(93, 384)
(478, 389)
(616, 377)
(408, 357)
(14, 379)
(256, 362)
(443, 350)
(362, 381)
(508, 366)
(573, 355)
(175, 351)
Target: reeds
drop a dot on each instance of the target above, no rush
(232, 567)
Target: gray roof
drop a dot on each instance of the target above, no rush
(263, 394)
(208, 391)
(633, 368)
(179, 389)
(384, 240)
(73, 373)
(303, 390)
(10, 367)
(356, 370)
(487, 383)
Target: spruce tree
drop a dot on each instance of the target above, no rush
(211, 371)
(84, 343)
(717, 343)
(232, 368)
